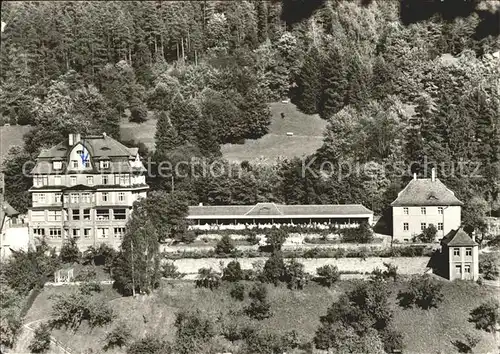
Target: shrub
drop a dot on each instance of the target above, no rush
(30, 269)
(138, 112)
(69, 251)
(424, 292)
(275, 238)
(264, 342)
(149, 345)
(208, 278)
(118, 337)
(41, 340)
(488, 266)
(252, 238)
(393, 340)
(225, 245)
(295, 276)
(86, 275)
(70, 310)
(468, 344)
(237, 291)
(428, 234)
(193, 332)
(170, 270)
(486, 316)
(89, 288)
(274, 269)
(259, 307)
(232, 272)
(391, 271)
(329, 275)
(362, 234)
(102, 255)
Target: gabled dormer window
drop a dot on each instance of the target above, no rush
(57, 165)
(105, 164)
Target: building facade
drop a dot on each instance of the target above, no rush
(267, 215)
(424, 202)
(460, 255)
(13, 230)
(85, 188)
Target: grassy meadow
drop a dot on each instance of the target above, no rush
(431, 331)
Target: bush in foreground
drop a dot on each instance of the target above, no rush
(328, 274)
(208, 278)
(237, 291)
(41, 340)
(486, 316)
(118, 337)
(170, 270)
(489, 266)
(149, 345)
(194, 331)
(225, 245)
(295, 275)
(70, 310)
(259, 307)
(232, 272)
(423, 291)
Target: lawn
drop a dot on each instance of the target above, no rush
(429, 331)
(307, 136)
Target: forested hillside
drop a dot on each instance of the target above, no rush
(400, 83)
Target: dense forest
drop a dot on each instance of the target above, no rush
(410, 83)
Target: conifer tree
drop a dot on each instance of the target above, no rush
(137, 268)
(206, 138)
(309, 83)
(166, 137)
(262, 21)
(185, 116)
(358, 79)
(334, 85)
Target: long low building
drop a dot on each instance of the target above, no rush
(264, 215)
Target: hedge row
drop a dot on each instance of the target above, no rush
(317, 252)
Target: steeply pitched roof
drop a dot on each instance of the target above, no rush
(99, 146)
(458, 238)
(277, 210)
(425, 191)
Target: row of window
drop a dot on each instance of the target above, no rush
(75, 197)
(57, 165)
(101, 232)
(423, 211)
(423, 225)
(458, 269)
(468, 252)
(121, 179)
(82, 214)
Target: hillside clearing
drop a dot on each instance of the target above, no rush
(424, 331)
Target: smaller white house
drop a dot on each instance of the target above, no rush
(423, 202)
(14, 235)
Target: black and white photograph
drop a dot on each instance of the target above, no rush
(250, 177)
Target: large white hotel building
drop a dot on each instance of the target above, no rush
(84, 187)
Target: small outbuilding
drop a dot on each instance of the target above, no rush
(461, 254)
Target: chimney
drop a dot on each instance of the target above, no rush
(71, 141)
(201, 204)
(433, 174)
(473, 235)
(414, 176)
(78, 137)
(104, 135)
